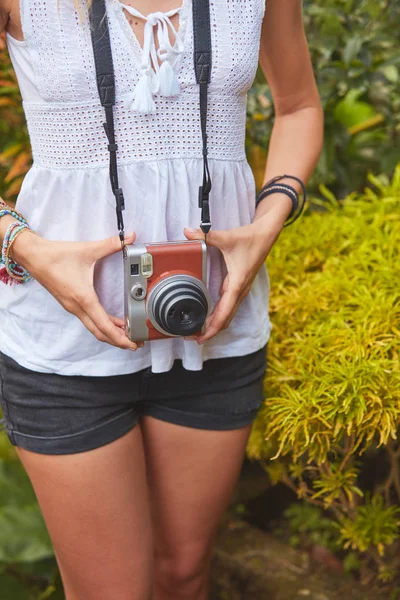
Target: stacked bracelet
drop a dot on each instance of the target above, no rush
(12, 271)
(272, 187)
(7, 210)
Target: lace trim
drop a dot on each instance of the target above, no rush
(72, 135)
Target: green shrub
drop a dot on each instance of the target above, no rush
(333, 387)
(355, 51)
(28, 569)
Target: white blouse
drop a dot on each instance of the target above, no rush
(66, 194)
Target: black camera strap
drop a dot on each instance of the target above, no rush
(202, 67)
(100, 35)
(105, 78)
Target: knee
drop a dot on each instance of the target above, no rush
(183, 574)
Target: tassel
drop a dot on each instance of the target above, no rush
(143, 98)
(169, 84)
(5, 278)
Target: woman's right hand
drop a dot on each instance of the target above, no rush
(66, 270)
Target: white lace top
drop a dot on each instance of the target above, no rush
(66, 195)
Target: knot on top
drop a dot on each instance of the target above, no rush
(154, 77)
(153, 18)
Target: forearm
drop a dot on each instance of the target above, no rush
(294, 149)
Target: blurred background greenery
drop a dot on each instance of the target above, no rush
(328, 430)
(355, 51)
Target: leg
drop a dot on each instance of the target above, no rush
(95, 505)
(192, 473)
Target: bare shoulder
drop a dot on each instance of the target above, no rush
(10, 18)
(5, 11)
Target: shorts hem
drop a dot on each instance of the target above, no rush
(200, 421)
(77, 442)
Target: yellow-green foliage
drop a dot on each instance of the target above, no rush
(333, 385)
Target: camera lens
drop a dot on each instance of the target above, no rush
(185, 317)
(180, 307)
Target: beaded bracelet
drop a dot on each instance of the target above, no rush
(12, 272)
(271, 187)
(5, 209)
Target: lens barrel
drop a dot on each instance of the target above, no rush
(180, 306)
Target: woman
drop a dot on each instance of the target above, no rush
(134, 455)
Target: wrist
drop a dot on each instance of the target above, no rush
(278, 186)
(274, 209)
(25, 248)
(269, 219)
(4, 223)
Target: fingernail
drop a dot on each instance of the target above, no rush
(191, 230)
(128, 235)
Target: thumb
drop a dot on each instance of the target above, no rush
(110, 245)
(213, 238)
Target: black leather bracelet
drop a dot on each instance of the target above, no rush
(277, 188)
(271, 187)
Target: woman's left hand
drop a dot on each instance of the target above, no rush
(244, 250)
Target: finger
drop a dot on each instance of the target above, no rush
(211, 316)
(239, 301)
(217, 238)
(222, 311)
(233, 313)
(210, 319)
(109, 246)
(122, 325)
(96, 331)
(118, 321)
(88, 323)
(102, 321)
(223, 290)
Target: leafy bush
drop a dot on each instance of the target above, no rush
(28, 570)
(333, 389)
(355, 51)
(356, 56)
(15, 153)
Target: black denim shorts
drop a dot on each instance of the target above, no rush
(59, 414)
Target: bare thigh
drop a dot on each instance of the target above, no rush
(95, 505)
(192, 474)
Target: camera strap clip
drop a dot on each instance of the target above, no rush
(204, 204)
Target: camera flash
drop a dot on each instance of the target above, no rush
(146, 264)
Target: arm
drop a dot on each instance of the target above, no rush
(297, 135)
(5, 13)
(5, 9)
(66, 269)
(295, 146)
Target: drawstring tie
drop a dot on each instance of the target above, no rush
(161, 78)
